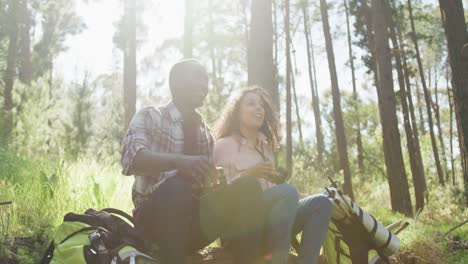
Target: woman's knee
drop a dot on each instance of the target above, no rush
(318, 202)
(325, 203)
(289, 193)
(248, 185)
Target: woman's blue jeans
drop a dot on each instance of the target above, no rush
(313, 217)
(282, 202)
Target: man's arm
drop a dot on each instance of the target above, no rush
(151, 163)
(138, 159)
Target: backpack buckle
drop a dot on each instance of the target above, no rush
(94, 236)
(96, 242)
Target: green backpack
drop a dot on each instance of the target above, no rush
(96, 237)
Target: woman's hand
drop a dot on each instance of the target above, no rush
(264, 170)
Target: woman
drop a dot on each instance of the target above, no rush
(247, 135)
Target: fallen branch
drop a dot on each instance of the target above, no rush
(417, 215)
(6, 203)
(405, 225)
(391, 227)
(455, 227)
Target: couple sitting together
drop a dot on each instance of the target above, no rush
(172, 154)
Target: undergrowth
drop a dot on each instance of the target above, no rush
(42, 191)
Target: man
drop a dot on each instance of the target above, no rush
(168, 150)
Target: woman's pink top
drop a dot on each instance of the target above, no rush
(235, 155)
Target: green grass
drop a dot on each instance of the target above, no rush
(443, 210)
(42, 192)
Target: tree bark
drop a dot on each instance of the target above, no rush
(293, 83)
(450, 99)
(457, 38)
(288, 92)
(409, 97)
(214, 76)
(315, 100)
(10, 72)
(261, 68)
(360, 155)
(427, 97)
(129, 61)
(276, 52)
(337, 114)
(397, 179)
(188, 29)
(436, 110)
(275, 33)
(24, 22)
(416, 169)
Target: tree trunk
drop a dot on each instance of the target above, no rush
(436, 109)
(288, 92)
(276, 52)
(214, 77)
(360, 156)
(409, 97)
(416, 170)
(420, 108)
(188, 29)
(298, 115)
(293, 83)
(315, 102)
(245, 20)
(337, 114)
(24, 52)
(129, 61)
(10, 72)
(24, 22)
(275, 33)
(398, 182)
(427, 97)
(450, 99)
(457, 40)
(261, 68)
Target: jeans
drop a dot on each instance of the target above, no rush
(179, 222)
(282, 201)
(313, 216)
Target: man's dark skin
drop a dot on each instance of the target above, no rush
(189, 90)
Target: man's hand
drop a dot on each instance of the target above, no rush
(196, 167)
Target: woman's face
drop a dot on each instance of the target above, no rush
(252, 111)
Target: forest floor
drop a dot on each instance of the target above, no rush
(42, 192)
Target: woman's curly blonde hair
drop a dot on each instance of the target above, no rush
(228, 123)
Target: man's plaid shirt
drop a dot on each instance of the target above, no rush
(159, 130)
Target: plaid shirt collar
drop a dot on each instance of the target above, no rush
(176, 115)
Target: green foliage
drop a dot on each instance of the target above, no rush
(58, 19)
(42, 192)
(66, 139)
(78, 127)
(37, 126)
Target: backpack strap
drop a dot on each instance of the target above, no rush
(117, 226)
(98, 246)
(84, 229)
(49, 254)
(119, 213)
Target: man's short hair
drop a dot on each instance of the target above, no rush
(178, 72)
